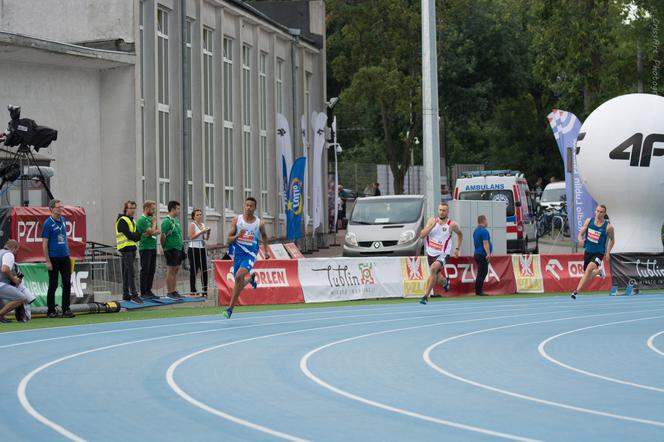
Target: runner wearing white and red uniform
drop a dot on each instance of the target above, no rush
(438, 245)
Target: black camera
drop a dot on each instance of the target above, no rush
(26, 132)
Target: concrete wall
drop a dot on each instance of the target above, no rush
(69, 21)
(67, 100)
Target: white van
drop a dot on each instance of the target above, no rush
(554, 195)
(512, 188)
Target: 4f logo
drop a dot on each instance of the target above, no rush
(637, 150)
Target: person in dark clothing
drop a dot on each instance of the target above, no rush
(377, 189)
(483, 250)
(126, 239)
(58, 262)
(147, 248)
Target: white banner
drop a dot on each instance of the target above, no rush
(305, 184)
(341, 279)
(319, 147)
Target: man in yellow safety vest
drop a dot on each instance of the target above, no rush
(126, 238)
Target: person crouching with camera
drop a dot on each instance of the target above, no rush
(13, 294)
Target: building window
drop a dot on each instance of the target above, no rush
(163, 108)
(262, 92)
(246, 85)
(209, 165)
(208, 117)
(229, 172)
(246, 119)
(228, 79)
(246, 161)
(164, 174)
(279, 74)
(162, 56)
(187, 103)
(229, 175)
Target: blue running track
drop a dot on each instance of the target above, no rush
(533, 369)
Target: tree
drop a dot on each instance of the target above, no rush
(377, 47)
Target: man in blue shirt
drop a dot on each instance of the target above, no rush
(56, 252)
(483, 250)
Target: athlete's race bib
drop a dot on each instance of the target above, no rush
(433, 245)
(247, 238)
(594, 235)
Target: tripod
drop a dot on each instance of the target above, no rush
(11, 169)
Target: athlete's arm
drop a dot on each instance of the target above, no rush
(429, 226)
(231, 231)
(611, 239)
(459, 234)
(265, 240)
(582, 232)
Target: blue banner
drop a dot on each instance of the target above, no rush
(295, 200)
(580, 205)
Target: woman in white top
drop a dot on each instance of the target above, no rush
(197, 254)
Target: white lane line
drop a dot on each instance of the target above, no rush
(250, 317)
(544, 354)
(170, 372)
(244, 319)
(23, 385)
(304, 367)
(427, 359)
(22, 389)
(549, 300)
(651, 343)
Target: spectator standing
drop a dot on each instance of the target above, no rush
(147, 248)
(58, 262)
(126, 240)
(171, 241)
(197, 253)
(377, 189)
(483, 250)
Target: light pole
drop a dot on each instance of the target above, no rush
(430, 105)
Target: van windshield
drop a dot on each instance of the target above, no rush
(553, 195)
(386, 211)
(505, 196)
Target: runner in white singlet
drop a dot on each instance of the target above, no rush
(438, 244)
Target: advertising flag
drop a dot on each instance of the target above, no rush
(580, 205)
(319, 146)
(295, 200)
(285, 148)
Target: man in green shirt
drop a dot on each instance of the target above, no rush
(147, 248)
(171, 241)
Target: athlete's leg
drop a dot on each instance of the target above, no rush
(433, 276)
(591, 271)
(240, 282)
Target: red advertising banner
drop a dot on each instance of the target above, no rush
(278, 283)
(293, 250)
(26, 228)
(562, 273)
(463, 270)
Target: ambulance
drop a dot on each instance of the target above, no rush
(511, 188)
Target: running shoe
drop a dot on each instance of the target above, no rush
(573, 296)
(446, 286)
(252, 281)
(136, 299)
(601, 273)
(424, 300)
(227, 313)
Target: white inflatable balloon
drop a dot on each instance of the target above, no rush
(620, 155)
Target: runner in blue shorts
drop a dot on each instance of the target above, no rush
(243, 236)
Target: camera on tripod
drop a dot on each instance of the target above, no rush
(25, 133)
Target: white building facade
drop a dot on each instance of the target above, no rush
(162, 100)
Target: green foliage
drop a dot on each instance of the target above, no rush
(503, 65)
